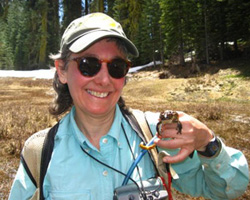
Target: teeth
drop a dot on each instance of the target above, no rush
(98, 94)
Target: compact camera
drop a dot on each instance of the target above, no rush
(152, 189)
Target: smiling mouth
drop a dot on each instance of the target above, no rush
(98, 94)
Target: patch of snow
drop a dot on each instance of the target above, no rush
(39, 74)
(135, 69)
(49, 73)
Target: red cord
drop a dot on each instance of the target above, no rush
(168, 187)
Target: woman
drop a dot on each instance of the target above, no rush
(93, 139)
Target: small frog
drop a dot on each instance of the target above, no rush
(165, 118)
(168, 117)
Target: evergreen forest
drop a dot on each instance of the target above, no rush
(164, 30)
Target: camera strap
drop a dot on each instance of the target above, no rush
(164, 170)
(148, 135)
(116, 170)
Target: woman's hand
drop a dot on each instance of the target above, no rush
(194, 136)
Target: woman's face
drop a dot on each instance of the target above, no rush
(99, 94)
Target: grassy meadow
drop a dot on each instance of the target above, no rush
(221, 100)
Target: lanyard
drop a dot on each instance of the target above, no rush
(133, 165)
(137, 160)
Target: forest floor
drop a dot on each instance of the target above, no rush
(218, 95)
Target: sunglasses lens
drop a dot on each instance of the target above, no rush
(118, 68)
(89, 66)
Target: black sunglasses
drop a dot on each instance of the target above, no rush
(90, 66)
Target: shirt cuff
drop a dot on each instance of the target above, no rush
(217, 162)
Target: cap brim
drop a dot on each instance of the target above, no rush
(86, 40)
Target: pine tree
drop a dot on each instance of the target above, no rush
(30, 30)
(110, 6)
(5, 54)
(184, 28)
(238, 23)
(15, 34)
(71, 10)
(101, 6)
(128, 13)
(53, 27)
(173, 20)
(86, 7)
(149, 39)
(44, 33)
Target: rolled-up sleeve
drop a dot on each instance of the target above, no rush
(231, 167)
(22, 187)
(225, 176)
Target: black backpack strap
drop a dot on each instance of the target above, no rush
(25, 165)
(46, 155)
(36, 155)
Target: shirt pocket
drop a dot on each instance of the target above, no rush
(61, 195)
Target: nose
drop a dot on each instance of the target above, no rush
(103, 77)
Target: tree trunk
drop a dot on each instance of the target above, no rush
(72, 9)
(86, 7)
(181, 46)
(101, 5)
(53, 26)
(161, 49)
(236, 45)
(43, 45)
(222, 50)
(206, 34)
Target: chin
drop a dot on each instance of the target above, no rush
(101, 111)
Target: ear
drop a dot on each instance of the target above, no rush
(62, 73)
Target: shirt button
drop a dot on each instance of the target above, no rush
(105, 140)
(205, 165)
(227, 188)
(218, 166)
(119, 144)
(105, 173)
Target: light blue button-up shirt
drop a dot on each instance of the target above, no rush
(72, 174)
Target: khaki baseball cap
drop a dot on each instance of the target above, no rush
(86, 30)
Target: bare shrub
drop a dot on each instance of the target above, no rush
(206, 112)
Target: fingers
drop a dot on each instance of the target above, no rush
(169, 130)
(169, 144)
(175, 143)
(185, 144)
(182, 155)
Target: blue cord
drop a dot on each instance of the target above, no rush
(136, 161)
